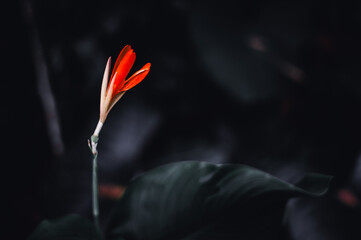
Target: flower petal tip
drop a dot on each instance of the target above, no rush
(147, 66)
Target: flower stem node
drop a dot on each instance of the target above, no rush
(94, 143)
(94, 139)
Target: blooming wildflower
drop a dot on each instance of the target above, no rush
(110, 94)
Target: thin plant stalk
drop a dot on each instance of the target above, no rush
(93, 148)
(95, 193)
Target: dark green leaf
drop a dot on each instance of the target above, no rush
(70, 227)
(199, 200)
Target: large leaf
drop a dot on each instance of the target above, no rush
(70, 227)
(198, 200)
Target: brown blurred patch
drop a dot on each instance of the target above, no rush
(112, 192)
(257, 44)
(347, 197)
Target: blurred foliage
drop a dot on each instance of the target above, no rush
(195, 200)
(68, 227)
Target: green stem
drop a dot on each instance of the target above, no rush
(95, 193)
(93, 148)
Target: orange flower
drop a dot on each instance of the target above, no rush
(110, 94)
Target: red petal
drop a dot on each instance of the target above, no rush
(120, 57)
(136, 77)
(122, 71)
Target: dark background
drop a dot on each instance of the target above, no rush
(275, 85)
